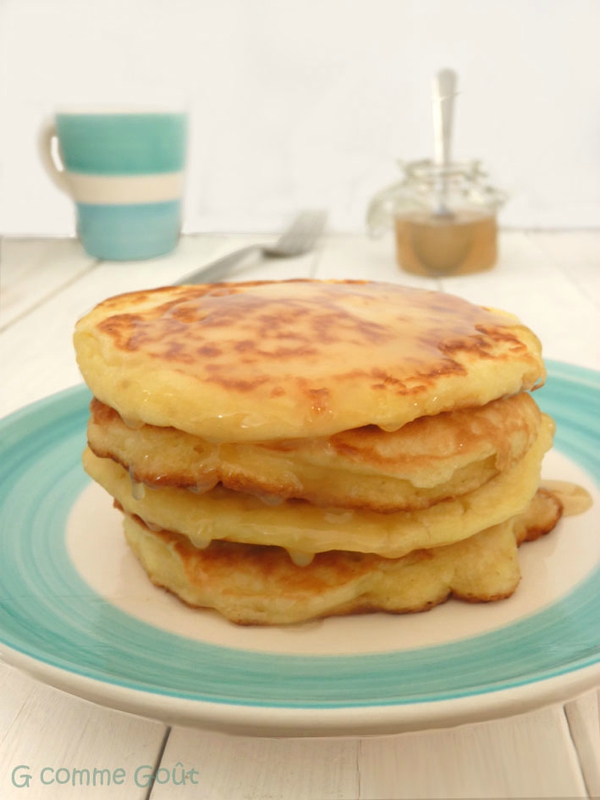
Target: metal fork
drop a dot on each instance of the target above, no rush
(299, 238)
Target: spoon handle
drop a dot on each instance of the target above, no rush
(444, 92)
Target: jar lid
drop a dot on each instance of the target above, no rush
(466, 180)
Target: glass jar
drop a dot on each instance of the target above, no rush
(444, 218)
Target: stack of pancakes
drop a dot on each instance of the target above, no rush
(284, 451)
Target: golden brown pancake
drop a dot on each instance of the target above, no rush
(424, 462)
(268, 360)
(284, 451)
(260, 585)
(305, 529)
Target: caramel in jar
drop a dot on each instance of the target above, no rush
(457, 244)
(444, 218)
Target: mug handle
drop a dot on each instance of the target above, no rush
(55, 170)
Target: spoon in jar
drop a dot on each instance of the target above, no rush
(444, 92)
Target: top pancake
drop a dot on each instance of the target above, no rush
(271, 360)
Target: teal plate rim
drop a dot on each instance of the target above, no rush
(49, 616)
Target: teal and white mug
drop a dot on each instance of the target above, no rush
(125, 171)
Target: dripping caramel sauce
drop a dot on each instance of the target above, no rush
(574, 498)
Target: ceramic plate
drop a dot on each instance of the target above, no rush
(77, 612)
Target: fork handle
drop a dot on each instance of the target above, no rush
(213, 272)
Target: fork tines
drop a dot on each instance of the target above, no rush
(301, 236)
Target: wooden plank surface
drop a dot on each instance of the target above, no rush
(527, 756)
(70, 748)
(583, 716)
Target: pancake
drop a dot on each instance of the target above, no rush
(260, 585)
(424, 462)
(271, 360)
(284, 451)
(304, 529)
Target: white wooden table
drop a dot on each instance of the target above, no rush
(552, 281)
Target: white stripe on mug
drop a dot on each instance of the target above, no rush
(123, 189)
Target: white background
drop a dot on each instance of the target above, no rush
(310, 102)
